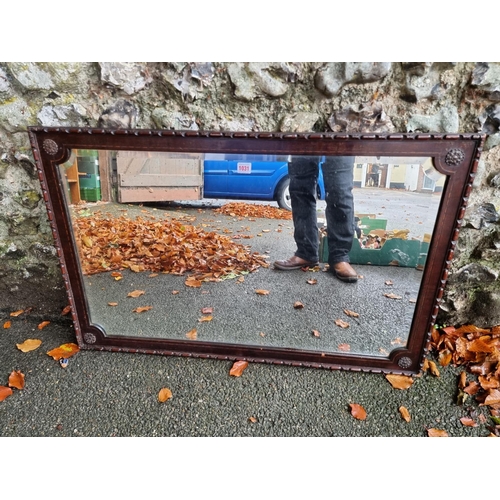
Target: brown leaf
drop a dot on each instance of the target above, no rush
(7, 324)
(43, 324)
(112, 304)
(437, 433)
(262, 292)
(468, 422)
(351, 313)
(193, 283)
(445, 357)
(392, 296)
(400, 381)
(15, 314)
(29, 345)
(344, 347)
(298, 305)
(434, 369)
(405, 413)
(238, 368)
(164, 395)
(252, 419)
(462, 382)
(87, 241)
(357, 411)
(341, 323)
(66, 311)
(16, 380)
(316, 333)
(192, 334)
(142, 309)
(136, 293)
(5, 392)
(64, 351)
(493, 398)
(203, 319)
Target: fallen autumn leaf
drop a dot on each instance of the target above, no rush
(16, 380)
(238, 368)
(5, 392)
(64, 351)
(357, 411)
(29, 345)
(164, 395)
(405, 413)
(43, 324)
(400, 381)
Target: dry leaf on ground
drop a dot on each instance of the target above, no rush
(357, 411)
(112, 304)
(207, 310)
(142, 309)
(405, 413)
(392, 296)
(15, 314)
(262, 292)
(64, 351)
(164, 395)
(29, 345)
(434, 369)
(5, 392)
(43, 324)
(468, 422)
(192, 334)
(66, 311)
(238, 368)
(136, 293)
(344, 347)
(203, 319)
(16, 380)
(341, 323)
(298, 305)
(252, 419)
(312, 282)
(7, 324)
(316, 333)
(437, 433)
(352, 314)
(400, 381)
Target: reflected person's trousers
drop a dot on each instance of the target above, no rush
(338, 179)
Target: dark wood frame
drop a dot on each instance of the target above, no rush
(455, 155)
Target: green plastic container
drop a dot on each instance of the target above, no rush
(89, 181)
(90, 194)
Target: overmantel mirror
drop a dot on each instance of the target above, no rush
(152, 267)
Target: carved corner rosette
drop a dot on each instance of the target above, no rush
(454, 157)
(50, 147)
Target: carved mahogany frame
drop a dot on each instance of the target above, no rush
(455, 155)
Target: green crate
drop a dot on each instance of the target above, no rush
(89, 181)
(368, 224)
(88, 165)
(90, 194)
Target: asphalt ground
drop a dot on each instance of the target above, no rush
(116, 394)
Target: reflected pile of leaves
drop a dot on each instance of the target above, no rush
(238, 209)
(108, 243)
(478, 350)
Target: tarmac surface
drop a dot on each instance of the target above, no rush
(116, 394)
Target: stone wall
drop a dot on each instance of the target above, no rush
(300, 97)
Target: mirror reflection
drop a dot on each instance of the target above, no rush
(181, 246)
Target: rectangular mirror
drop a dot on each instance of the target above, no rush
(146, 273)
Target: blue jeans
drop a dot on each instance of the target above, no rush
(338, 177)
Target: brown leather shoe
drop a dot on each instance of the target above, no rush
(344, 272)
(293, 263)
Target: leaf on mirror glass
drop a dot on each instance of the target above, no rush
(7, 324)
(398, 341)
(207, 310)
(192, 334)
(238, 368)
(298, 305)
(357, 411)
(262, 292)
(316, 333)
(312, 281)
(15, 314)
(5, 392)
(112, 304)
(29, 345)
(344, 347)
(400, 381)
(64, 351)
(16, 380)
(341, 323)
(136, 293)
(164, 395)
(392, 296)
(434, 369)
(142, 309)
(405, 414)
(468, 422)
(437, 433)
(43, 324)
(87, 241)
(351, 313)
(204, 319)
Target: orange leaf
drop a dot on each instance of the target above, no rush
(357, 411)
(43, 324)
(468, 422)
(193, 283)
(262, 292)
(66, 310)
(434, 369)
(437, 433)
(493, 398)
(252, 419)
(5, 392)
(142, 309)
(351, 313)
(29, 345)
(400, 381)
(64, 351)
(445, 357)
(342, 324)
(7, 324)
(298, 305)
(164, 395)
(192, 334)
(405, 413)
(16, 380)
(205, 318)
(136, 293)
(17, 313)
(238, 368)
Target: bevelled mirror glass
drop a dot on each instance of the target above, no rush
(151, 266)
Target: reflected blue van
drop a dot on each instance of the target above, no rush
(250, 177)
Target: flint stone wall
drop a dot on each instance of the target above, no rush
(287, 97)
